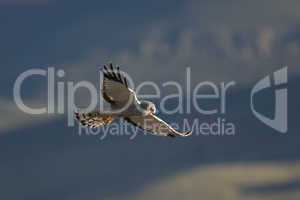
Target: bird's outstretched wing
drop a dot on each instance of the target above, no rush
(155, 125)
(94, 119)
(115, 88)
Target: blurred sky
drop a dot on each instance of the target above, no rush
(232, 40)
(220, 41)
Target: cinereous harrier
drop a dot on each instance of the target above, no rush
(124, 103)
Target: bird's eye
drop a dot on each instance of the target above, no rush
(152, 109)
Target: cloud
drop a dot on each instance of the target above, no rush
(218, 42)
(227, 182)
(13, 118)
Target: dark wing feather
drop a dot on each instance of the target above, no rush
(115, 88)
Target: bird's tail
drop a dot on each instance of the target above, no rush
(94, 119)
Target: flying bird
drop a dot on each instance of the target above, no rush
(125, 104)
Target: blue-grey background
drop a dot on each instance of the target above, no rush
(241, 41)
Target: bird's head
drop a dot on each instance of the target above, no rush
(148, 106)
